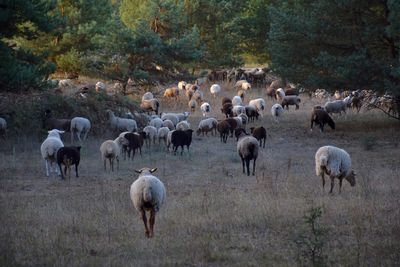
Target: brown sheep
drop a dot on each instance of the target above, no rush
(271, 92)
(223, 128)
(321, 117)
(260, 133)
(233, 123)
(247, 148)
(172, 92)
(150, 105)
(226, 100)
(227, 109)
(68, 156)
(50, 123)
(290, 101)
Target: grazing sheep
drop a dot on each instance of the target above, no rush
(170, 116)
(280, 94)
(157, 122)
(68, 155)
(247, 148)
(50, 123)
(3, 127)
(121, 124)
(207, 125)
(291, 100)
(135, 142)
(241, 94)
(259, 104)
(336, 106)
(169, 124)
(321, 117)
(79, 125)
(192, 105)
(223, 128)
(226, 100)
(260, 133)
(181, 138)
(215, 89)
(276, 111)
(147, 96)
(251, 112)
(111, 150)
(49, 149)
(236, 110)
(182, 85)
(227, 109)
(205, 109)
(100, 87)
(237, 101)
(172, 92)
(163, 134)
(151, 134)
(183, 125)
(150, 105)
(147, 194)
(336, 163)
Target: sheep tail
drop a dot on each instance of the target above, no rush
(147, 197)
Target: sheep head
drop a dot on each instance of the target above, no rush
(145, 170)
(351, 178)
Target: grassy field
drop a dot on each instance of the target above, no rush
(214, 215)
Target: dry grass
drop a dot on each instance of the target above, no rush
(214, 215)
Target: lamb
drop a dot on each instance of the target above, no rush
(49, 149)
(192, 105)
(147, 96)
(207, 125)
(321, 117)
(121, 124)
(50, 123)
(147, 194)
(172, 92)
(236, 101)
(100, 87)
(215, 89)
(247, 148)
(290, 101)
(259, 104)
(111, 150)
(227, 109)
(242, 94)
(276, 111)
(251, 112)
(336, 106)
(150, 105)
(156, 122)
(68, 156)
(182, 85)
(259, 133)
(181, 138)
(206, 109)
(183, 125)
(3, 127)
(336, 163)
(151, 134)
(135, 141)
(223, 128)
(236, 110)
(280, 94)
(162, 134)
(169, 124)
(79, 125)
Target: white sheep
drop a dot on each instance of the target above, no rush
(147, 194)
(156, 122)
(151, 134)
(336, 163)
(169, 139)
(206, 109)
(182, 85)
(121, 124)
(100, 87)
(280, 94)
(112, 149)
(170, 116)
(237, 101)
(183, 125)
(276, 111)
(79, 125)
(49, 149)
(215, 89)
(207, 125)
(169, 124)
(3, 127)
(147, 96)
(336, 106)
(259, 104)
(163, 134)
(238, 109)
(247, 148)
(246, 86)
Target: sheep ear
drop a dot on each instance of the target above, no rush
(153, 170)
(61, 132)
(138, 171)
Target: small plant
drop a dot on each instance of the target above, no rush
(368, 142)
(311, 238)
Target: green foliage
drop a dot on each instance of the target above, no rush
(70, 62)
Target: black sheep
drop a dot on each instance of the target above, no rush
(68, 155)
(321, 117)
(181, 138)
(227, 109)
(136, 141)
(259, 133)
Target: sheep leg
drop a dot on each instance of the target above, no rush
(111, 164)
(144, 218)
(182, 149)
(332, 184)
(47, 167)
(248, 166)
(59, 166)
(323, 180)
(152, 221)
(117, 164)
(85, 135)
(340, 184)
(76, 170)
(254, 166)
(243, 164)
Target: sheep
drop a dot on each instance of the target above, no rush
(271, 92)
(276, 111)
(79, 125)
(182, 85)
(181, 138)
(239, 83)
(151, 134)
(239, 131)
(233, 124)
(236, 110)
(321, 117)
(182, 115)
(171, 117)
(247, 148)
(337, 95)
(206, 109)
(259, 133)
(207, 125)
(236, 101)
(290, 101)
(111, 150)
(245, 119)
(169, 124)
(259, 104)
(183, 125)
(291, 91)
(241, 94)
(280, 94)
(50, 123)
(227, 109)
(49, 149)
(147, 96)
(336, 163)
(150, 105)
(223, 128)
(251, 112)
(226, 100)
(68, 156)
(169, 140)
(192, 105)
(135, 141)
(156, 122)
(162, 134)
(321, 94)
(3, 127)
(246, 86)
(336, 106)
(121, 124)
(147, 194)
(100, 87)
(172, 92)
(198, 96)
(189, 93)
(215, 89)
